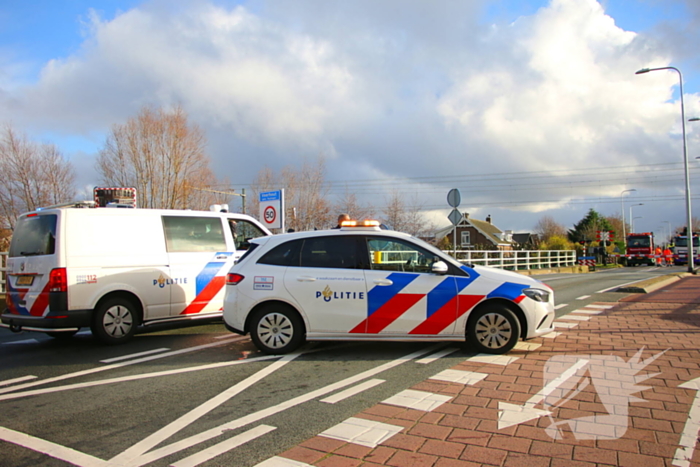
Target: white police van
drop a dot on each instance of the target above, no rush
(77, 265)
(364, 283)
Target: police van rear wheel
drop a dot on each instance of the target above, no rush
(277, 329)
(114, 321)
(493, 330)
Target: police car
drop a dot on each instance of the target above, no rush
(363, 283)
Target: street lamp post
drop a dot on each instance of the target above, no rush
(691, 265)
(669, 230)
(622, 213)
(632, 220)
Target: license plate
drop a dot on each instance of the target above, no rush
(25, 280)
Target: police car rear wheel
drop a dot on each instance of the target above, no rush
(277, 329)
(493, 330)
(114, 321)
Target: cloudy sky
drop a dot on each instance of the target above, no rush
(529, 107)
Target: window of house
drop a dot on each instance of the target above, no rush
(466, 238)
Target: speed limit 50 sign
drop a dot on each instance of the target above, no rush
(272, 209)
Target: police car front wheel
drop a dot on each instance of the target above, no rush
(493, 329)
(277, 329)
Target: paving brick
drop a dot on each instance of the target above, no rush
(430, 431)
(486, 456)
(302, 454)
(510, 443)
(560, 450)
(444, 462)
(353, 450)
(323, 444)
(406, 442)
(413, 459)
(524, 460)
(379, 455)
(339, 461)
(599, 456)
(473, 437)
(627, 459)
(442, 448)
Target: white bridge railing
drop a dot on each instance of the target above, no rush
(518, 260)
(3, 272)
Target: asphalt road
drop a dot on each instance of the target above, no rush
(199, 395)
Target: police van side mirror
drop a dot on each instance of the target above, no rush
(439, 267)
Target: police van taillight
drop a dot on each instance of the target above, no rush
(233, 278)
(58, 280)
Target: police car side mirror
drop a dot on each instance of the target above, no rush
(439, 267)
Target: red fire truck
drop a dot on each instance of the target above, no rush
(640, 249)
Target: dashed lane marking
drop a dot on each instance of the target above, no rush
(342, 395)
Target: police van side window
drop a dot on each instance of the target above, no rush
(34, 236)
(242, 232)
(193, 234)
(286, 254)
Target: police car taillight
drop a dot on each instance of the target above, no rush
(58, 281)
(233, 278)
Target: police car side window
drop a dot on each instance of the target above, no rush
(338, 252)
(390, 254)
(193, 234)
(286, 254)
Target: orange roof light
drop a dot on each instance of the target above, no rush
(366, 223)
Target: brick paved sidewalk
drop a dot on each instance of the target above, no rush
(585, 376)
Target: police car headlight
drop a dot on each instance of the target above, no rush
(537, 295)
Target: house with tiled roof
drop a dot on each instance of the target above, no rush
(475, 234)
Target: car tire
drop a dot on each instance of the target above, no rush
(114, 321)
(493, 329)
(277, 329)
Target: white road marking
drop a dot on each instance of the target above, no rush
(417, 400)
(583, 297)
(17, 380)
(262, 414)
(559, 324)
(127, 357)
(459, 376)
(529, 346)
(502, 360)
(54, 450)
(684, 454)
(588, 312)
(575, 318)
(122, 379)
(363, 432)
(117, 365)
(552, 335)
(561, 305)
(437, 355)
(342, 395)
(26, 341)
(602, 307)
(195, 414)
(224, 446)
(282, 462)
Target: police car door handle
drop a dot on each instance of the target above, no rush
(306, 279)
(383, 282)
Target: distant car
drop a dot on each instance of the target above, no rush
(365, 283)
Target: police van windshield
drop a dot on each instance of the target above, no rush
(34, 236)
(683, 241)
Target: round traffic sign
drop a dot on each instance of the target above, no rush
(270, 214)
(454, 197)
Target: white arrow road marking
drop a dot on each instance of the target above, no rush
(684, 454)
(511, 414)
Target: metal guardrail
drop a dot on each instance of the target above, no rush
(518, 260)
(3, 272)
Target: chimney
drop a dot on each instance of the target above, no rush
(488, 218)
(466, 215)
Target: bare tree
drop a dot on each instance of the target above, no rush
(404, 217)
(160, 154)
(547, 228)
(305, 192)
(33, 175)
(348, 204)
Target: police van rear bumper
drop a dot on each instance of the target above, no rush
(65, 321)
